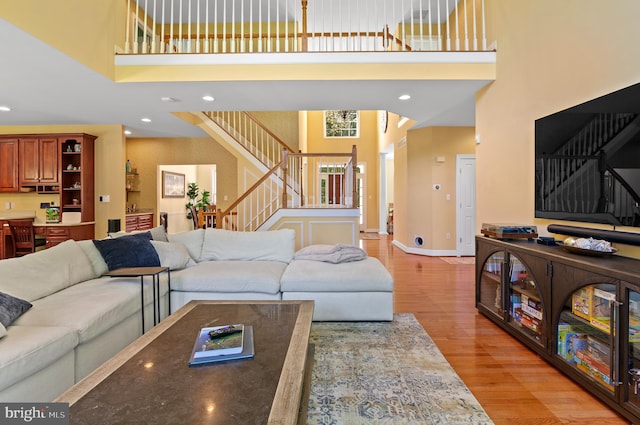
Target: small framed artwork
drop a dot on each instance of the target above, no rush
(172, 185)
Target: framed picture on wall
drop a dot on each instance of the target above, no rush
(172, 185)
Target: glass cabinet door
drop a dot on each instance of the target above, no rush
(526, 312)
(491, 284)
(586, 332)
(633, 363)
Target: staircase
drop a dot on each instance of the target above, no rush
(576, 179)
(283, 178)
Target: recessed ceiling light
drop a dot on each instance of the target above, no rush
(127, 132)
(5, 108)
(404, 97)
(146, 120)
(168, 99)
(208, 98)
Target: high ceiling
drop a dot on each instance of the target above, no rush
(42, 86)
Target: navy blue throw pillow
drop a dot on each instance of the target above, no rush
(11, 308)
(128, 251)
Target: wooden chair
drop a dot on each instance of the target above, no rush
(194, 217)
(209, 216)
(24, 237)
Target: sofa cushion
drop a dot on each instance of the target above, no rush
(173, 255)
(94, 256)
(11, 308)
(230, 276)
(91, 308)
(28, 349)
(157, 233)
(338, 253)
(316, 276)
(192, 240)
(128, 251)
(227, 245)
(45, 272)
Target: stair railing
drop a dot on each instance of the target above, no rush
(251, 134)
(324, 180)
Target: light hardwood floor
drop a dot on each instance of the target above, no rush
(512, 383)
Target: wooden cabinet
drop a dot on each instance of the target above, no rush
(38, 163)
(579, 313)
(77, 185)
(58, 233)
(9, 160)
(59, 163)
(142, 221)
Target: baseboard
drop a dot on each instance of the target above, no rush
(426, 252)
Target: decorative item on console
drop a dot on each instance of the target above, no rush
(509, 231)
(590, 246)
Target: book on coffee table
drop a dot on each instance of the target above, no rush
(237, 345)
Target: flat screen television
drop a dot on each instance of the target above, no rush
(588, 161)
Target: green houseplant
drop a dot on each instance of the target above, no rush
(53, 214)
(193, 193)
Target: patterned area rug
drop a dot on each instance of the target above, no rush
(387, 373)
(459, 260)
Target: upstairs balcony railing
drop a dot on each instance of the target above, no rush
(281, 26)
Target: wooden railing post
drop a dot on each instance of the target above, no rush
(285, 166)
(305, 40)
(354, 161)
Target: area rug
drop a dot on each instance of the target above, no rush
(387, 373)
(459, 260)
(369, 236)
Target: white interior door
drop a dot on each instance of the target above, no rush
(466, 211)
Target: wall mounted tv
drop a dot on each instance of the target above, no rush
(588, 161)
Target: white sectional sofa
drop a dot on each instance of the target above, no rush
(79, 318)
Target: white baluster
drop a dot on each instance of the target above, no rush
(135, 31)
(466, 28)
(198, 47)
(206, 27)
(484, 33)
(475, 32)
(127, 34)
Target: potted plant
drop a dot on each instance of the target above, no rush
(192, 194)
(53, 214)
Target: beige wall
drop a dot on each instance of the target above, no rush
(367, 146)
(546, 62)
(283, 124)
(87, 31)
(149, 154)
(430, 158)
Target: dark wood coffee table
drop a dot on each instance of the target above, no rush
(150, 380)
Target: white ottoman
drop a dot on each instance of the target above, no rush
(354, 291)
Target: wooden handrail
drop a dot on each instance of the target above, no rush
(349, 166)
(269, 132)
(288, 36)
(246, 194)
